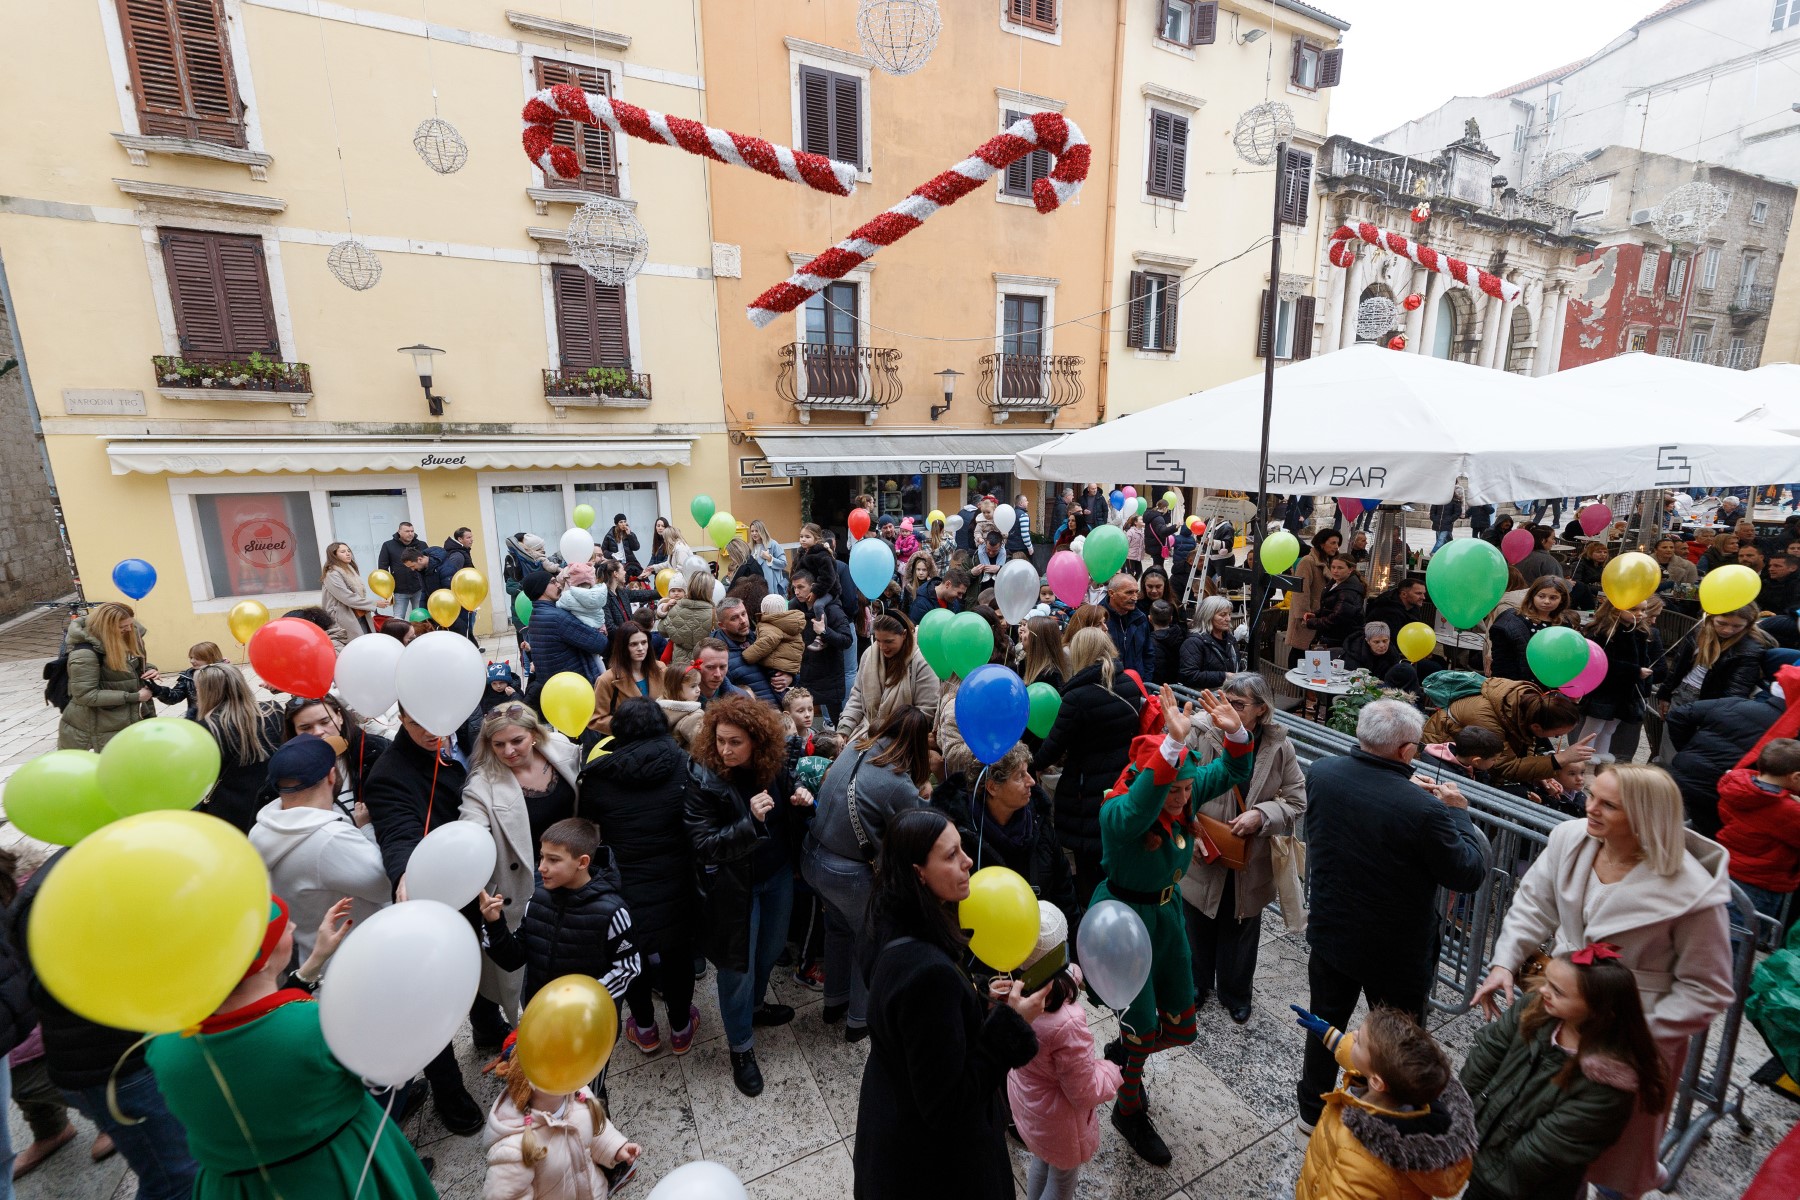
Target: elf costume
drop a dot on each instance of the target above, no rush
(1145, 852)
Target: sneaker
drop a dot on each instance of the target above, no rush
(1302, 1133)
(1142, 1137)
(645, 1038)
(831, 1014)
(458, 1111)
(855, 1033)
(745, 1073)
(811, 978)
(771, 1014)
(681, 1039)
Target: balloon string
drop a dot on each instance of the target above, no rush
(437, 758)
(375, 1141)
(237, 1115)
(112, 1085)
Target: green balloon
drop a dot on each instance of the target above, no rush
(721, 528)
(968, 643)
(703, 509)
(1046, 702)
(161, 763)
(1557, 655)
(522, 608)
(1143, 506)
(56, 797)
(1172, 498)
(1279, 551)
(1104, 552)
(417, 615)
(932, 628)
(1466, 580)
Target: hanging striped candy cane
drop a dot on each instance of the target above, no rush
(1343, 253)
(1042, 131)
(566, 102)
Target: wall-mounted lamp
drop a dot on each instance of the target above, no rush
(949, 377)
(1251, 36)
(421, 356)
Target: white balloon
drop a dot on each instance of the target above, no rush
(1005, 517)
(1016, 590)
(953, 522)
(1077, 542)
(718, 590)
(365, 674)
(439, 680)
(699, 1181)
(1114, 951)
(397, 990)
(451, 864)
(577, 546)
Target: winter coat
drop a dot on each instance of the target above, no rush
(1313, 579)
(1761, 828)
(1358, 656)
(586, 604)
(881, 792)
(1053, 1097)
(316, 857)
(927, 599)
(613, 689)
(929, 1120)
(1537, 564)
(871, 704)
(1206, 659)
(581, 930)
(745, 674)
(496, 802)
(1378, 849)
(574, 1152)
(406, 792)
(1131, 636)
(687, 623)
(1507, 638)
(1618, 697)
(102, 701)
(1340, 612)
(1500, 707)
(1738, 671)
(1680, 570)
(1359, 1151)
(243, 784)
(560, 642)
(780, 643)
(1134, 545)
(1165, 653)
(343, 596)
(18, 1015)
(1538, 1138)
(822, 669)
(772, 560)
(406, 581)
(1778, 596)
(1276, 789)
(635, 794)
(1092, 739)
(179, 692)
(728, 853)
(1026, 844)
(623, 548)
(1709, 737)
(1392, 612)
(817, 562)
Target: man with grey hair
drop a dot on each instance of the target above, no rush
(734, 630)
(1127, 625)
(1380, 842)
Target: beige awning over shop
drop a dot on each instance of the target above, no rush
(260, 456)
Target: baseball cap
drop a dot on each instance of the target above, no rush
(300, 763)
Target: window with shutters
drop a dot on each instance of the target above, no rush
(593, 147)
(590, 320)
(219, 291)
(1709, 268)
(1697, 344)
(1293, 327)
(1315, 67)
(1035, 14)
(1295, 201)
(1665, 344)
(1678, 270)
(1168, 155)
(1189, 22)
(1152, 318)
(181, 70)
(1020, 177)
(831, 121)
(1646, 282)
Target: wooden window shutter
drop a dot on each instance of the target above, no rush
(249, 310)
(1162, 126)
(1044, 13)
(219, 289)
(1171, 311)
(846, 119)
(1331, 67)
(1304, 308)
(815, 111)
(1178, 137)
(1040, 14)
(1297, 63)
(1296, 186)
(194, 293)
(181, 70)
(1028, 170)
(573, 288)
(611, 341)
(1134, 311)
(593, 146)
(1264, 322)
(1205, 23)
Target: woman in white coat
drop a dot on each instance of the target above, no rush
(341, 591)
(522, 780)
(892, 677)
(1633, 876)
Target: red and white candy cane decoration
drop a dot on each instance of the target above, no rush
(1343, 253)
(1041, 131)
(566, 102)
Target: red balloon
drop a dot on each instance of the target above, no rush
(294, 656)
(859, 522)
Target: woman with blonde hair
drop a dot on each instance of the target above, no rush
(1046, 660)
(1086, 616)
(247, 733)
(342, 594)
(920, 570)
(1723, 658)
(770, 556)
(108, 678)
(1631, 876)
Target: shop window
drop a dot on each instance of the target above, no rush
(636, 500)
(590, 321)
(831, 114)
(366, 520)
(535, 508)
(258, 543)
(181, 70)
(219, 290)
(593, 146)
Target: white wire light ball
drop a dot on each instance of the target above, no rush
(440, 145)
(898, 34)
(1688, 212)
(608, 241)
(1260, 130)
(354, 264)
(1563, 179)
(1374, 317)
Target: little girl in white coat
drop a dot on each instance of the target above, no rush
(544, 1146)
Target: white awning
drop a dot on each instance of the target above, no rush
(238, 456)
(897, 452)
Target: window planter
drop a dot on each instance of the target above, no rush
(596, 387)
(254, 380)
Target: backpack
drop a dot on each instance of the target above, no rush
(56, 681)
(1443, 688)
(1150, 717)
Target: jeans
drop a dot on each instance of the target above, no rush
(1763, 901)
(844, 886)
(741, 991)
(1045, 1182)
(156, 1147)
(1223, 948)
(405, 602)
(673, 975)
(1334, 995)
(850, 657)
(1443, 536)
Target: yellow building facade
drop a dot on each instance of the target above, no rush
(1782, 341)
(215, 401)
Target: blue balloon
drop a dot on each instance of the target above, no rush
(1117, 499)
(871, 566)
(992, 707)
(134, 577)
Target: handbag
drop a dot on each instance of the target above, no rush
(1218, 844)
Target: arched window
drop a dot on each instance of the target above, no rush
(1443, 338)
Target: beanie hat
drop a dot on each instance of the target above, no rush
(1053, 931)
(535, 584)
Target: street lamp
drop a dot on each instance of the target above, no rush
(1250, 36)
(421, 356)
(949, 377)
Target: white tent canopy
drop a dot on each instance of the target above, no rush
(1375, 424)
(1775, 389)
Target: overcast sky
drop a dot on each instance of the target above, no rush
(1402, 59)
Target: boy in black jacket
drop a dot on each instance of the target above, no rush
(1165, 643)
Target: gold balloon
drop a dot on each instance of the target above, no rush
(381, 583)
(1416, 640)
(469, 587)
(1630, 579)
(443, 607)
(664, 578)
(245, 618)
(566, 1034)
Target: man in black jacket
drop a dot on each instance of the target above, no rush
(1709, 737)
(409, 588)
(1400, 606)
(459, 553)
(1128, 627)
(1380, 846)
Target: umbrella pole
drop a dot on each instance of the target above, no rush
(1260, 588)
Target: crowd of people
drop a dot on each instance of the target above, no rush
(774, 779)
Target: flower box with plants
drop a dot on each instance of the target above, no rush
(594, 383)
(1365, 689)
(251, 374)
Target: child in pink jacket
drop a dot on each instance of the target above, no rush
(1054, 1096)
(543, 1146)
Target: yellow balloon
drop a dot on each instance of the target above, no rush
(381, 583)
(936, 514)
(568, 702)
(1415, 640)
(1727, 588)
(443, 607)
(1003, 916)
(151, 921)
(566, 1034)
(469, 587)
(664, 578)
(245, 618)
(1630, 579)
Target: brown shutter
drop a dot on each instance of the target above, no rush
(1331, 68)
(1296, 186)
(1304, 309)
(244, 283)
(611, 341)
(846, 119)
(590, 321)
(1134, 311)
(593, 146)
(1178, 137)
(181, 70)
(1044, 13)
(815, 111)
(1264, 322)
(1206, 23)
(1167, 338)
(1018, 176)
(219, 289)
(1296, 62)
(1161, 133)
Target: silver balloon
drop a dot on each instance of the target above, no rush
(1016, 590)
(1114, 949)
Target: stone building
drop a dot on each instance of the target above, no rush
(33, 566)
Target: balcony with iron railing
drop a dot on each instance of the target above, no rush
(596, 387)
(855, 379)
(1040, 384)
(1752, 302)
(252, 379)
(1404, 180)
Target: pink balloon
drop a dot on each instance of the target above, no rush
(1591, 675)
(1068, 577)
(1515, 546)
(1350, 507)
(1594, 518)
(1130, 493)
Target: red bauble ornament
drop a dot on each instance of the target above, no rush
(1421, 212)
(1413, 302)
(1397, 342)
